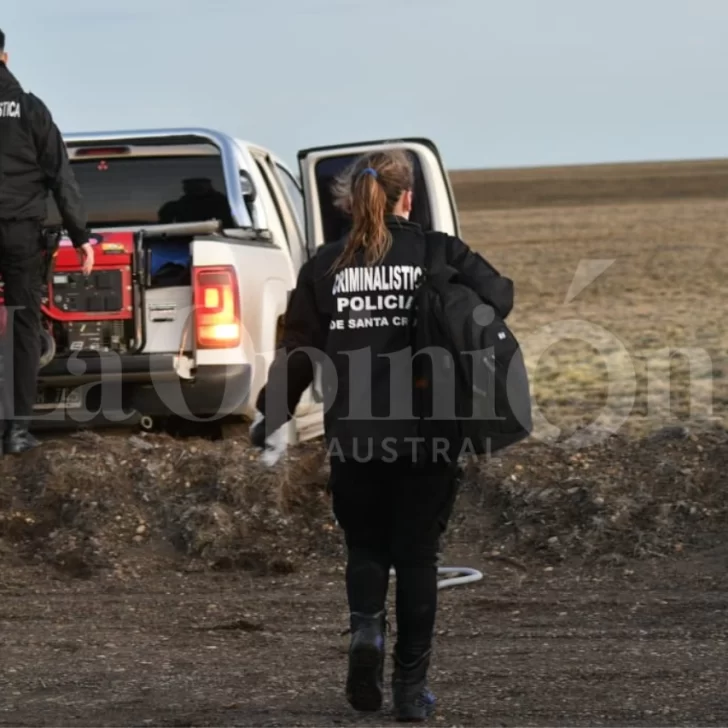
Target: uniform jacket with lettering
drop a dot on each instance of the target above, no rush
(34, 162)
(355, 323)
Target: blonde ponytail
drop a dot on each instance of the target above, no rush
(369, 191)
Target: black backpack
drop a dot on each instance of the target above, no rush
(477, 403)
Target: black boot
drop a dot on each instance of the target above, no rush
(413, 702)
(18, 440)
(364, 682)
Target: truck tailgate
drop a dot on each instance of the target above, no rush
(168, 320)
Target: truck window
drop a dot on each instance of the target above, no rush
(150, 190)
(336, 223)
(294, 193)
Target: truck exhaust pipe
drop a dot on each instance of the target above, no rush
(147, 423)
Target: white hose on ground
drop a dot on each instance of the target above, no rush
(465, 575)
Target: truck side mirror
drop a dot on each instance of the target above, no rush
(247, 187)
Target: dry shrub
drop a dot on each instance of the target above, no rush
(105, 503)
(621, 498)
(103, 497)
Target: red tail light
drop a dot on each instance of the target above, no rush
(217, 307)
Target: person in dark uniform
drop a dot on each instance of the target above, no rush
(33, 162)
(349, 312)
(200, 202)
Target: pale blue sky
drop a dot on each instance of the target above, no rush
(493, 82)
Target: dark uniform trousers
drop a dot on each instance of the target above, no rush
(21, 265)
(393, 515)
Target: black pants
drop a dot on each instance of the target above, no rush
(393, 515)
(21, 266)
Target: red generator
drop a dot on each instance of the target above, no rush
(92, 315)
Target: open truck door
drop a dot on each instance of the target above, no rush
(433, 200)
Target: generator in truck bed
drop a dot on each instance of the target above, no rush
(93, 314)
(130, 319)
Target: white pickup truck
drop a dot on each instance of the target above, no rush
(220, 229)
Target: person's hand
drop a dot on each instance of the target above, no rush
(257, 432)
(86, 255)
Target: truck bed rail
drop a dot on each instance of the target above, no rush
(207, 227)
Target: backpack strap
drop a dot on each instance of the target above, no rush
(435, 259)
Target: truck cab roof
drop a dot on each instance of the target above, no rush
(237, 162)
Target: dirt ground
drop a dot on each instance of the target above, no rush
(152, 581)
(639, 646)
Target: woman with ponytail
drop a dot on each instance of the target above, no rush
(350, 312)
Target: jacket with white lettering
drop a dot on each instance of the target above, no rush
(34, 162)
(355, 322)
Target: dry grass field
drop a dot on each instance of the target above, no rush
(602, 354)
(160, 582)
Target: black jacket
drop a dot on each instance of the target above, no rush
(34, 162)
(350, 321)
